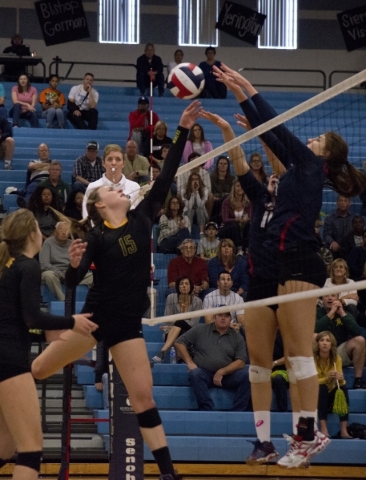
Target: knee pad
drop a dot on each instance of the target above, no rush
(29, 459)
(259, 374)
(303, 367)
(291, 376)
(149, 418)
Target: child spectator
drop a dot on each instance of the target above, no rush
(207, 246)
(53, 101)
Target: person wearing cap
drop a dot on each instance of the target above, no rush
(219, 361)
(82, 103)
(188, 265)
(139, 121)
(149, 67)
(88, 167)
(113, 163)
(207, 246)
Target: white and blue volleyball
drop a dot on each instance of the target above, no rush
(186, 81)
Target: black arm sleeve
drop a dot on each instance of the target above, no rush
(71, 106)
(74, 276)
(160, 189)
(30, 280)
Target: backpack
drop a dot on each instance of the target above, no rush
(357, 430)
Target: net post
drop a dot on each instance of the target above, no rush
(70, 296)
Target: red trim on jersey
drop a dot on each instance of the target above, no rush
(285, 230)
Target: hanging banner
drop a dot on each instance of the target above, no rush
(353, 26)
(241, 22)
(62, 21)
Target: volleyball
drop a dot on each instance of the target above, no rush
(186, 81)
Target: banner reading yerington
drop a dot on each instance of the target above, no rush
(62, 20)
(353, 26)
(240, 22)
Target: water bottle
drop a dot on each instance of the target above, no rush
(173, 356)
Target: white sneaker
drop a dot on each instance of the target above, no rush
(300, 451)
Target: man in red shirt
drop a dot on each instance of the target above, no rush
(139, 121)
(188, 265)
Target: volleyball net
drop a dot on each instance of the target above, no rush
(340, 109)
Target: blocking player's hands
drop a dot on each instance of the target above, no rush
(190, 115)
(243, 121)
(216, 120)
(83, 325)
(76, 251)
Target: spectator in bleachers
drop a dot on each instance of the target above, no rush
(350, 343)
(37, 170)
(182, 181)
(190, 266)
(182, 301)
(357, 260)
(221, 183)
(159, 139)
(354, 238)
(136, 167)
(82, 103)
(174, 227)
(256, 166)
(235, 215)
(197, 143)
(218, 361)
(207, 246)
(227, 260)
(213, 89)
(24, 98)
(13, 70)
(178, 58)
(194, 197)
(7, 143)
(3, 111)
(53, 101)
(338, 225)
(54, 261)
(88, 167)
(54, 182)
(330, 374)
(139, 121)
(74, 205)
(339, 275)
(39, 203)
(223, 295)
(113, 163)
(149, 67)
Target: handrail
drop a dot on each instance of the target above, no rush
(330, 84)
(58, 61)
(323, 86)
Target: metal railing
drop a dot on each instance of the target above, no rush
(57, 61)
(335, 72)
(322, 85)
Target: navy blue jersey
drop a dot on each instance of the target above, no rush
(122, 255)
(299, 195)
(262, 261)
(20, 296)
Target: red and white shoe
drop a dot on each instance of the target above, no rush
(300, 451)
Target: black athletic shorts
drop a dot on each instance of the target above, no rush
(10, 371)
(302, 266)
(260, 288)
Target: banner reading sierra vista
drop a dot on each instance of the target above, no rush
(240, 22)
(353, 26)
(61, 20)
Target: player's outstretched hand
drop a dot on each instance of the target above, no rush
(228, 79)
(215, 119)
(83, 325)
(76, 251)
(243, 121)
(190, 115)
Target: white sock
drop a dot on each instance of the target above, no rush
(262, 421)
(7, 162)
